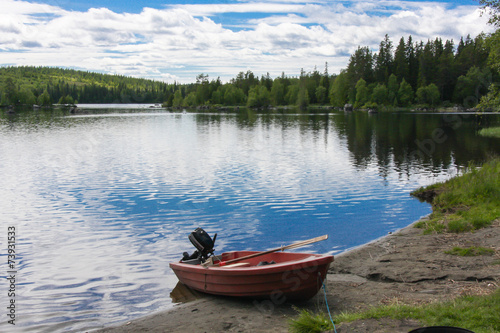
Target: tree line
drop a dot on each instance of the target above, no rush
(430, 74)
(49, 85)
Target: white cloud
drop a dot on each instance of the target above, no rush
(181, 41)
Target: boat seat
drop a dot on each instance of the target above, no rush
(238, 264)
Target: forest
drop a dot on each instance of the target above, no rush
(433, 74)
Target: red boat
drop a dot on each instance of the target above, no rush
(280, 276)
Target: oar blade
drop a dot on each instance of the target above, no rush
(306, 242)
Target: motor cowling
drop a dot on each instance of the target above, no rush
(203, 243)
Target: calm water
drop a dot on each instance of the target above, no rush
(102, 202)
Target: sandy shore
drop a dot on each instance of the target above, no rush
(406, 267)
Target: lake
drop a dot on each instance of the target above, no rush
(101, 202)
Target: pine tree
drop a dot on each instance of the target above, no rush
(446, 77)
(384, 61)
(360, 67)
(413, 53)
(401, 61)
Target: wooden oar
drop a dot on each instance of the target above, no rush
(282, 248)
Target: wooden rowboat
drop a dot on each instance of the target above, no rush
(286, 276)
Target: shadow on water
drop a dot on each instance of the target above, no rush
(184, 294)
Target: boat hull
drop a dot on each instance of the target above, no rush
(293, 276)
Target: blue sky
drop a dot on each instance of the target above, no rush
(137, 6)
(177, 40)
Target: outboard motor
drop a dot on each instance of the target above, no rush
(204, 245)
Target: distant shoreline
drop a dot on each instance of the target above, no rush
(225, 109)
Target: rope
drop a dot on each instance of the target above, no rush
(328, 308)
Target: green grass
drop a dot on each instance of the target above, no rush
(476, 313)
(472, 251)
(491, 132)
(309, 322)
(464, 203)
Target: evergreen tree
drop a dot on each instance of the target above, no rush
(427, 65)
(446, 77)
(413, 53)
(465, 56)
(360, 67)
(384, 61)
(266, 81)
(325, 79)
(401, 61)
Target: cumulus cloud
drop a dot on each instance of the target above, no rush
(179, 42)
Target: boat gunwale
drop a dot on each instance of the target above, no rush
(307, 260)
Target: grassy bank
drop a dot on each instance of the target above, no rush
(478, 313)
(465, 203)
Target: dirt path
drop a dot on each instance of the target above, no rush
(405, 267)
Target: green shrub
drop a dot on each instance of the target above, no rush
(308, 322)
